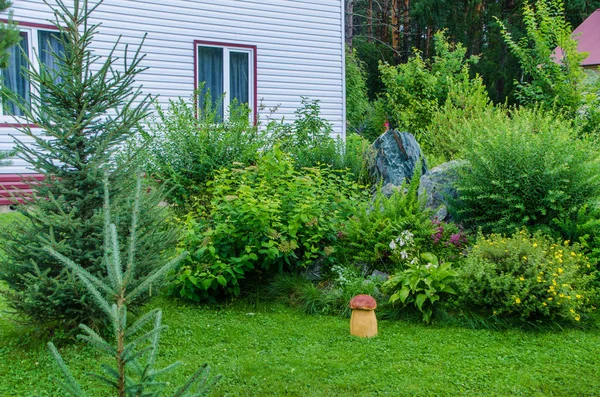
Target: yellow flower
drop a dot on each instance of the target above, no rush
(539, 279)
(577, 317)
(524, 257)
(522, 278)
(572, 311)
(561, 295)
(550, 298)
(573, 254)
(578, 296)
(588, 265)
(560, 270)
(518, 301)
(535, 244)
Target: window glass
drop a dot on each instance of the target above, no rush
(239, 76)
(49, 48)
(13, 78)
(210, 71)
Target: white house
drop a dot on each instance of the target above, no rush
(263, 52)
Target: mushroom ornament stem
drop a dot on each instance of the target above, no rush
(363, 322)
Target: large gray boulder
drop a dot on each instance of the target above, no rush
(396, 156)
(439, 186)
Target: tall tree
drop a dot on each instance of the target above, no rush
(86, 108)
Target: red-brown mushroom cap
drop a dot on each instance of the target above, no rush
(363, 302)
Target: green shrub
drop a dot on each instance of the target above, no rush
(358, 107)
(526, 170)
(367, 235)
(528, 276)
(185, 145)
(416, 89)
(263, 218)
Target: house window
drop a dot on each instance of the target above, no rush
(227, 72)
(39, 42)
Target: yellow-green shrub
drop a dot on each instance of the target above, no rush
(529, 276)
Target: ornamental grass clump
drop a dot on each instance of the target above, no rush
(527, 276)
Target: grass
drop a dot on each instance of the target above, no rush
(269, 349)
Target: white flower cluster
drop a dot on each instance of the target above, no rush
(404, 240)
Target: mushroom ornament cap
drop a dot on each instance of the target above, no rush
(363, 302)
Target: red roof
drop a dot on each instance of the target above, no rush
(588, 36)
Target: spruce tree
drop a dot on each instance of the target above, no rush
(87, 108)
(134, 348)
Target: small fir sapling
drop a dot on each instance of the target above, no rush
(135, 347)
(87, 108)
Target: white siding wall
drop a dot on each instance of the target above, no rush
(299, 46)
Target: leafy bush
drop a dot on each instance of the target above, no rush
(185, 145)
(367, 235)
(529, 276)
(358, 107)
(547, 80)
(460, 117)
(263, 218)
(526, 170)
(416, 89)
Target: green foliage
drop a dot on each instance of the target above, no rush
(556, 84)
(9, 34)
(84, 118)
(421, 284)
(553, 81)
(185, 146)
(466, 109)
(308, 139)
(359, 110)
(415, 90)
(4, 159)
(528, 276)
(263, 218)
(329, 298)
(526, 170)
(367, 235)
(135, 347)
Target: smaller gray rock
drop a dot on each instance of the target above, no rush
(379, 276)
(439, 186)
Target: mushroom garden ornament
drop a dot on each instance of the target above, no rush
(363, 322)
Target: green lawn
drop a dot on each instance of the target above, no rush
(274, 350)
(270, 349)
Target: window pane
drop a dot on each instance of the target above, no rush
(210, 71)
(13, 79)
(50, 48)
(239, 76)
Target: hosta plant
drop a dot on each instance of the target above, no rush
(424, 282)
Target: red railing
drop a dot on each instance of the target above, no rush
(16, 185)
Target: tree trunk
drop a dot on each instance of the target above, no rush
(349, 23)
(406, 31)
(370, 21)
(395, 27)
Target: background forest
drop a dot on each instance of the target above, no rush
(390, 30)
